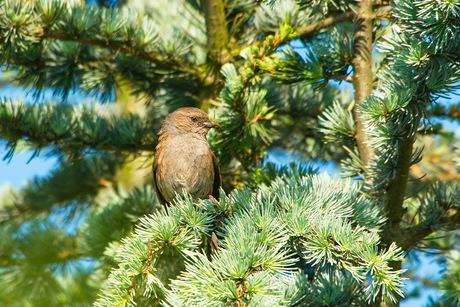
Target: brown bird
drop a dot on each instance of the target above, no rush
(184, 162)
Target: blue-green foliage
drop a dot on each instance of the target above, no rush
(268, 242)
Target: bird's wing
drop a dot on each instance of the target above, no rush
(217, 179)
(155, 170)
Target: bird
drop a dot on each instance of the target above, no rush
(184, 162)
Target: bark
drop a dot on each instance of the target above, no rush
(397, 188)
(216, 29)
(362, 82)
(218, 52)
(362, 63)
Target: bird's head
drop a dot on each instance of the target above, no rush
(187, 120)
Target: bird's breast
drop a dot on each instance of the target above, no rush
(185, 164)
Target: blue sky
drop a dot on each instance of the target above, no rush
(19, 170)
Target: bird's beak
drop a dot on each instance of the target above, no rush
(209, 124)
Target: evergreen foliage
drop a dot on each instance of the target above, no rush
(274, 75)
(330, 231)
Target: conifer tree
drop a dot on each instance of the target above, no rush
(274, 74)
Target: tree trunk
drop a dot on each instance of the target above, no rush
(362, 63)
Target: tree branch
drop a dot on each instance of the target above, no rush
(396, 191)
(406, 238)
(362, 79)
(73, 130)
(327, 22)
(340, 77)
(73, 144)
(304, 32)
(162, 60)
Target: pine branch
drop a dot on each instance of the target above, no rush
(244, 118)
(73, 129)
(121, 211)
(439, 210)
(408, 237)
(307, 31)
(154, 254)
(58, 38)
(362, 79)
(43, 257)
(268, 232)
(161, 60)
(328, 22)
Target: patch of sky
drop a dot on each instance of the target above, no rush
(281, 157)
(26, 95)
(425, 267)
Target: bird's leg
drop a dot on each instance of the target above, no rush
(213, 199)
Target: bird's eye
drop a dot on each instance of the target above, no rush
(194, 118)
